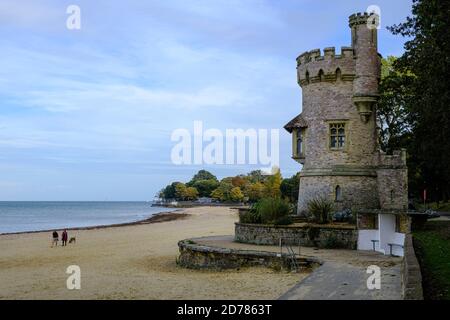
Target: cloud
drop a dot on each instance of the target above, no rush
(31, 14)
(121, 98)
(99, 104)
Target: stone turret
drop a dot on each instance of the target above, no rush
(335, 139)
(367, 63)
(338, 145)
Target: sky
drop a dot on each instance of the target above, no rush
(88, 114)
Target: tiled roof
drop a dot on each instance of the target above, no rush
(297, 122)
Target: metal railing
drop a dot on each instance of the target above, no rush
(291, 255)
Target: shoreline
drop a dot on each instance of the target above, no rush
(132, 263)
(155, 218)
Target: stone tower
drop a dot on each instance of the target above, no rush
(335, 136)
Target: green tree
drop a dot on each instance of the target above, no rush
(205, 182)
(217, 194)
(203, 175)
(205, 187)
(223, 191)
(427, 56)
(256, 176)
(191, 193)
(289, 188)
(180, 191)
(393, 106)
(169, 192)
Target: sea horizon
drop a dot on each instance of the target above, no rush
(32, 216)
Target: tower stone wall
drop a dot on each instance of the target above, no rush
(343, 89)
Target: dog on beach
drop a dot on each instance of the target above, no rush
(73, 240)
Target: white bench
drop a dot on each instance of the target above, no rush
(373, 243)
(392, 245)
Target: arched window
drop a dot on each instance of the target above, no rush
(307, 76)
(321, 75)
(299, 142)
(338, 74)
(337, 193)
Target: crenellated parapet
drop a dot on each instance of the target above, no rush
(392, 180)
(313, 67)
(395, 160)
(363, 18)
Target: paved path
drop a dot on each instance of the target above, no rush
(339, 281)
(342, 276)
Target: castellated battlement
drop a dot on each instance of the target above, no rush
(395, 160)
(313, 67)
(363, 18)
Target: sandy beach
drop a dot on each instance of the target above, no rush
(132, 262)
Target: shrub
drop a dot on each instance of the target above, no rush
(313, 233)
(332, 242)
(319, 210)
(343, 216)
(273, 209)
(283, 221)
(250, 216)
(268, 211)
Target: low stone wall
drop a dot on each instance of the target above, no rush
(196, 256)
(329, 236)
(411, 275)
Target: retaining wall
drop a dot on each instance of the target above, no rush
(411, 275)
(329, 236)
(196, 256)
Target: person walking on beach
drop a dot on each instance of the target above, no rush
(64, 238)
(55, 239)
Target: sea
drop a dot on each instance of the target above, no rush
(23, 216)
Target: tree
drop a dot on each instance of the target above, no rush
(180, 191)
(289, 188)
(227, 180)
(273, 184)
(191, 193)
(256, 176)
(203, 175)
(255, 191)
(427, 56)
(183, 192)
(238, 181)
(169, 192)
(205, 187)
(217, 194)
(223, 191)
(205, 182)
(236, 194)
(393, 106)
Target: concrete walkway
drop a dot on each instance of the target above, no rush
(342, 276)
(338, 281)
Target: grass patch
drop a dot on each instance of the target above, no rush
(436, 206)
(432, 245)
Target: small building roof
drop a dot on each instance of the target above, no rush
(297, 122)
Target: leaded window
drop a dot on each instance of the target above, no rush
(337, 135)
